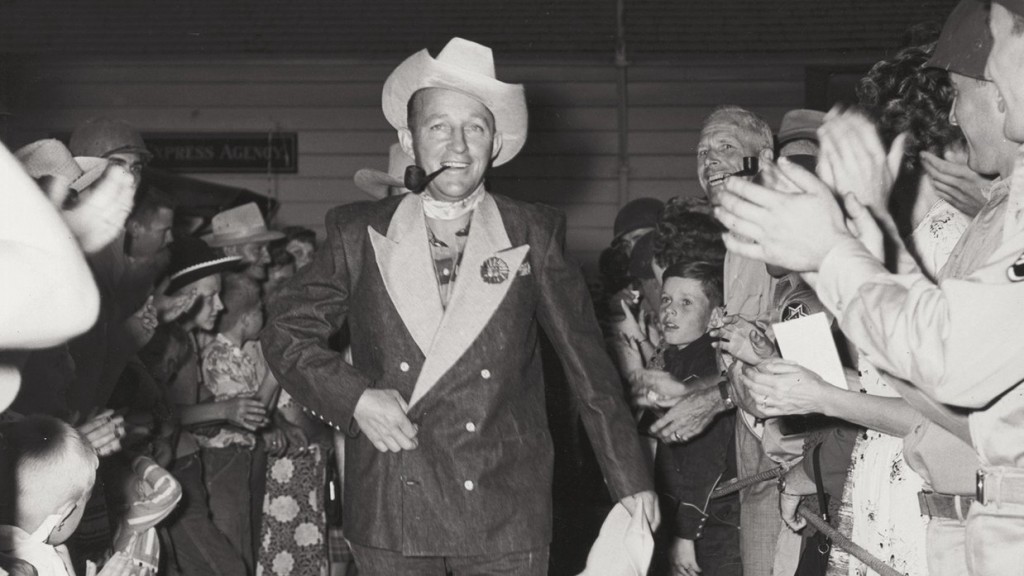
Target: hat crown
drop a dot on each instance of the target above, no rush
(469, 56)
(240, 221)
(102, 136)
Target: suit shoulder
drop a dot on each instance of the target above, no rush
(545, 216)
(362, 213)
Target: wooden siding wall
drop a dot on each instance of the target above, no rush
(570, 159)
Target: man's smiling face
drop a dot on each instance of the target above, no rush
(723, 144)
(453, 130)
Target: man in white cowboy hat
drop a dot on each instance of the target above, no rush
(449, 463)
(241, 231)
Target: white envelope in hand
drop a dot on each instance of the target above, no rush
(624, 546)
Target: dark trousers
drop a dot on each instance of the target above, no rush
(197, 546)
(378, 562)
(226, 475)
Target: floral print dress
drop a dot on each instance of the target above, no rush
(293, 540)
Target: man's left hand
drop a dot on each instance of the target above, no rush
(650, 505)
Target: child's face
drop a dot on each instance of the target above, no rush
(685, 311)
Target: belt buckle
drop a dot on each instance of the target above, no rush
(979, 487)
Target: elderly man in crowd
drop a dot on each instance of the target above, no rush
(450, 460)
(956, 341)
(241, 231)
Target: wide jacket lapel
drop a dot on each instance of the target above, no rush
(405, 264)
(489, 266)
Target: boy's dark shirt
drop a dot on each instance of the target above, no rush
(687, 473)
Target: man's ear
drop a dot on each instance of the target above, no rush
(766, 155)
(405, 139)
(132, 227)
(496, 147)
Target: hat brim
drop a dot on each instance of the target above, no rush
(507, 102)
(808, 133)
(200, 271)
(92, 170)
(144, 152)
(10, 384)
(376, 183)
(268, 236)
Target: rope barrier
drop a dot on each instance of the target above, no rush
(845, 543)
(741, 483)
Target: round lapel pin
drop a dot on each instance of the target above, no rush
(494, 270)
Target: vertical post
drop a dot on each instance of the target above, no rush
(623, 89)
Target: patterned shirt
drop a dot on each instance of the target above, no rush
(447, 260)
(228, 372)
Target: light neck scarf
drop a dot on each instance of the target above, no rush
(440, 210)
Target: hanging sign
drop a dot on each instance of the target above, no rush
(256, 152)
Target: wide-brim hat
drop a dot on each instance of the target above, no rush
(240, 225)
(50, 157)
(799, 125)
(965, 41)
(468, 68)
(378, 184)
(192, 259)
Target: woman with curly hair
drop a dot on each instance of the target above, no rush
(879, 505)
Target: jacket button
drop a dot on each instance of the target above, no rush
(468, 485)
(404, 366)
(470, 427)
(485, 373)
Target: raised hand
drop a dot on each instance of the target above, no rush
(743, 340)
(955, 182)
(781, 388)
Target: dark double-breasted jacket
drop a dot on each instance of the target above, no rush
(479, 481)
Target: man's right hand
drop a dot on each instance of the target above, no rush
(381, 416)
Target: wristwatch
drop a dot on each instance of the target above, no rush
(723, 389)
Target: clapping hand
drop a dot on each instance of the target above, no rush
(102, 209)
(853, 158)
(955, 182)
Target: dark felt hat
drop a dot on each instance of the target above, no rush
(641, 257)
(192, 259)
(965, 41)
(636, 214)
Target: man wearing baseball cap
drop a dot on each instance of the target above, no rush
(449, 463)
(957, 341)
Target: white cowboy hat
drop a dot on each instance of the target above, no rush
(378, 184)
(468, 68)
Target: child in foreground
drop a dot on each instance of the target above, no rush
(47, 472)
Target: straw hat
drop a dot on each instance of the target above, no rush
(51, 157)
(468, 68)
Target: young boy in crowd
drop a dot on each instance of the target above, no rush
(705, 532)
(47, 472)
